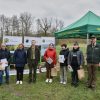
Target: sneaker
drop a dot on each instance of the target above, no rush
(21, 82)
(61, 82)
(50, 81)
(64, 83)
(17, 82)
(47, 80)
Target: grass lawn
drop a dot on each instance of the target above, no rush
(43, 91)
(53, 91)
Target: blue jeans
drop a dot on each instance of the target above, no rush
(6, 73)
(1, 76)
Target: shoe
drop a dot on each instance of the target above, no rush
(7, 82)
(61, 82)
(76, 85)
(93, 87)
(21, 82)
(0, 84)
(30, 81)
(47, 80)
(64, 83)
(17, 82)
(50, 81)
(34, 81)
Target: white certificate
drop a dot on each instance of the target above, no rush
(49, 60)
(4, 62)
(61, 58)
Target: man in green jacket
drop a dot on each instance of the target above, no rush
(33, 58)
(93, 61)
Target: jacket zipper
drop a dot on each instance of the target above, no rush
(92, 54)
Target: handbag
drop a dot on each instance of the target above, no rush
(1, 67)
(53, 71)
(81, 74)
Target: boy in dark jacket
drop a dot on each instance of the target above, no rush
(63, 65)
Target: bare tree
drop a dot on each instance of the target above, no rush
(57, 25)
(26, 23)
(2, 26)
(15, 25)
(7, 26)
(44, 24)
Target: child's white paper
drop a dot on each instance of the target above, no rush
(4, 63)
(49, 60)
(61, 58)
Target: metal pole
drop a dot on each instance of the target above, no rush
(87, 38)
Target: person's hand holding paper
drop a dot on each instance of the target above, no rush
(61, 58)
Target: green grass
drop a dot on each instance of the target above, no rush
(54, 91)
(44, 91)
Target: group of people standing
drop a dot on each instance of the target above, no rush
(72, 59)
(20, 58)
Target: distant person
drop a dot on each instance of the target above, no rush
(63, 64)
(33, 58)
(75, 61)
(50, 59)
(4, 54)
(20, 59)
(93, 60)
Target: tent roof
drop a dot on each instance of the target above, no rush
(89, 19)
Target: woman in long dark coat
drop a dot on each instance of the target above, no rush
(20, 59)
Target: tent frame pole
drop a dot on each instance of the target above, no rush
(87, 38)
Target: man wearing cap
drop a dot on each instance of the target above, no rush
(93, 60)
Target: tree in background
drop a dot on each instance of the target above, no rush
(25, 24)
(44, 24)
(15, 25)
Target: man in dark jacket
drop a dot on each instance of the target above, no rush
(4, 54)
(93, 60)
(33, 58)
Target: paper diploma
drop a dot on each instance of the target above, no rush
(61, 58)
(4, 63)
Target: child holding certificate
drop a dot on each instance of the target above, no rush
(63, 56)
(50, 59)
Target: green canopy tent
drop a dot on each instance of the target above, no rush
(88, 24)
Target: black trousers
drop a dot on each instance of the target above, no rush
(19, 71)
(48, 72)
(74, 74)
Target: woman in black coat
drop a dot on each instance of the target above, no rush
(20, 59)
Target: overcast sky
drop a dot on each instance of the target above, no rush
(67, 10)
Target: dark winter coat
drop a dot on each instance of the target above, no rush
(20, 58)
(65, 53)
(5, 54)
(93, 54)
(80, 58)
(37, 55)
